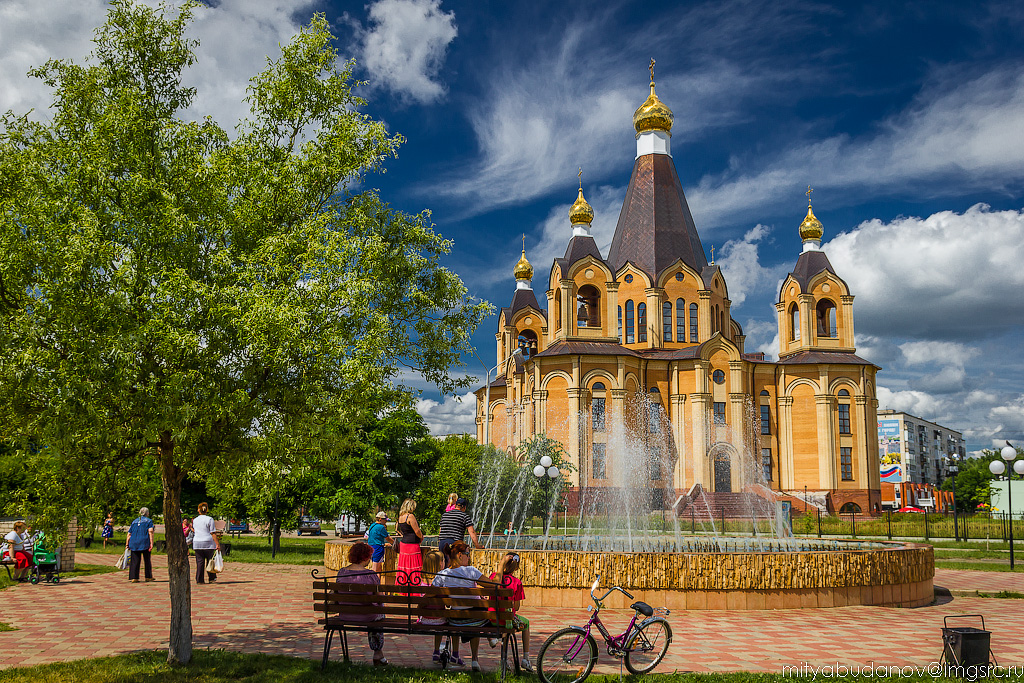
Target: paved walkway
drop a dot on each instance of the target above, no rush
(268, 608)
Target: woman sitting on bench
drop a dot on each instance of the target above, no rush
(359, 556)
(15, 542)
(462, 575)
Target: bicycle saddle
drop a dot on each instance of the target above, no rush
(643, 608)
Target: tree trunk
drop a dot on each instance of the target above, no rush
(179, 650)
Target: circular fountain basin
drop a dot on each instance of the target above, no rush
(734, 573)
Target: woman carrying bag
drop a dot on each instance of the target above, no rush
(205, 543)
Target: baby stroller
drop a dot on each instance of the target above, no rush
(46, 563)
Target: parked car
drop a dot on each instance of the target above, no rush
(310, 525)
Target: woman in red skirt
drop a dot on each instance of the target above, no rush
(15, 543)
(410, 559)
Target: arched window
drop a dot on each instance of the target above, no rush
(714, 318)
(844, 412)
(528, 343)
(764, 392)
(620, 325)
(641, 322)
(826, 311)
(680, 320)
(693, 322)
(588, 313)
(597, 407)
(666, 321)
(721, 323)
(630, 339)
(850, 509)
(794, 323)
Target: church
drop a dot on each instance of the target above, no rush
(642, 342)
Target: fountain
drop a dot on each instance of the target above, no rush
(680, 554)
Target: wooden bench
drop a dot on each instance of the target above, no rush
(402, 607)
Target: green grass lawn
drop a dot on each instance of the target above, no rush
(218, 666)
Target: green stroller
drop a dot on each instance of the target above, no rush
(47, 563)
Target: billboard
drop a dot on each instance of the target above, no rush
(889, 448)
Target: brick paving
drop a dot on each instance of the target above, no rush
(268, 608)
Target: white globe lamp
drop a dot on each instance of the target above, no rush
(538, 471)
(997, 468)
(1009, 453)
(553, 472)
(546, 461)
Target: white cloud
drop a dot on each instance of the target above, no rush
(742, 269)
(451, 415)
(983, 114)
(919, 403)
(405, 46)
(235, 38)
(763, 336)
(566, 98)
(944, 276)
(1008, 419)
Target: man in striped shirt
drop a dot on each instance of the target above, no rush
(454, 525)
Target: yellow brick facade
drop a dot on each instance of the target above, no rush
(635, 346)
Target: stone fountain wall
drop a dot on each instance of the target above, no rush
(898, 575)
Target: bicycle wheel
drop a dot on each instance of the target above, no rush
(567, 656)
(648, 646)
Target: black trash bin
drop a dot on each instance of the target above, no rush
(966, 645)
(225, 549)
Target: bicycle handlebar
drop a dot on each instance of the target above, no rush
(610, 591)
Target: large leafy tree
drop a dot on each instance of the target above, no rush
(384, 457)
(168, 289)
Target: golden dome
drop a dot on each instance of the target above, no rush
(811, 228)
(653, 115)
(523, 270)
(581, 212)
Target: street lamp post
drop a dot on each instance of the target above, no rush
(487, 391)
(546, 472)
(1009, 454)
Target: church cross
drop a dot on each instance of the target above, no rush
(652, 69)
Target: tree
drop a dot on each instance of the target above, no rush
(973, 481)
(455, 471)
(170, 291)
(388, 453)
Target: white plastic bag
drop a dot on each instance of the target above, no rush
(215, 565)
(122, 562)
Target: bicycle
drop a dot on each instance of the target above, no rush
(569, 655)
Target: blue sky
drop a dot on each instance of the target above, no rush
(906, 118)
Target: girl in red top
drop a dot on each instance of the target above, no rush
(509, 565)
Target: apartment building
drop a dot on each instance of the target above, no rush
(915, 450)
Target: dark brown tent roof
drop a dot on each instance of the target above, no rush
(523, 298)
(655, 227)
(809, 264)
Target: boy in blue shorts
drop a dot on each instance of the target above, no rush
(379, 539)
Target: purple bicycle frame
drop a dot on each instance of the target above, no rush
(617, 642)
